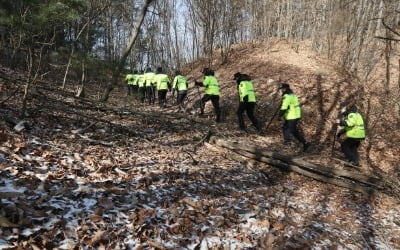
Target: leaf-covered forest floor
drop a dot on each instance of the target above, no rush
(127, 175)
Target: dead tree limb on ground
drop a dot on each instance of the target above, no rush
(352, 180)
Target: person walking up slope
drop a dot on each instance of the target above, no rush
(130, 79)
(353, 127)
(163, 86)
(291, 112)
(180, 85)
(142, 86)
(150, 82)
(135, 87)
(247, 100)
(211, 84)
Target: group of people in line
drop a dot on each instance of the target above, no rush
(145, 84)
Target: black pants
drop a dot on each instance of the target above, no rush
(181, 97)
(154, 93)
(162, 97)
(135, 89)
(249, 108)
(151, 94)
(215, 102)
(350, 149)
(142, 94)
(290, 128)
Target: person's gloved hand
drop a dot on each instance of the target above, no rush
(339, 133)
(281, 114)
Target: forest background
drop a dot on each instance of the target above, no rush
(87, 41)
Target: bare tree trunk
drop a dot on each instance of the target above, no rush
(398, 80)
(68, 66)
(279, 23)
(176, 42)
(28, 81)
(388, 49)
(33, 74)
(194, 45)
(81, 88)
(127, 50)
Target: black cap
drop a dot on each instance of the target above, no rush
(208, 72)
(236, 75)
(344, 104)
(284, 85)
(159, 70)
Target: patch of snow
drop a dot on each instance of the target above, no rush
(83, 189)
(278, 212)
(12, 237)
(252, 227)
(29, 231)
(50, 224)
(131, 242)
(72, 212)
(10, 188)
(70, 159)
(214, 242)
(67, 244)
(41, 177)
(89, 203)
(204, 228)
(4, 245)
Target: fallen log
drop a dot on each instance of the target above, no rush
(340, 177)
(257, 152)
(234, 155)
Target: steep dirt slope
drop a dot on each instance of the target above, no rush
(320, 88)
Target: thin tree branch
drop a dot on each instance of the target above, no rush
(389, 28)
(387, 38)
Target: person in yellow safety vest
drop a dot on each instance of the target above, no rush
(291, 112)
(142, 86)
(150, 83)
(354, 128)
(211, 84)
(180, 85)
(163, 85)
(247, 100)
(129, 79)
(134, 84)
